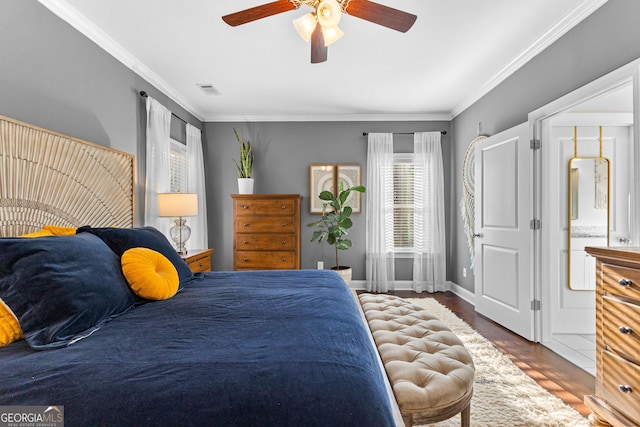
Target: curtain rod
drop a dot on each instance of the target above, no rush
(443, 132)
(144, 95)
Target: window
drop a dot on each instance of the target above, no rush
(178, 167)
(403, 166)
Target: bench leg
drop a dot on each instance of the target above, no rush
(465, 416)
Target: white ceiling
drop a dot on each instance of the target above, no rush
(456, 52)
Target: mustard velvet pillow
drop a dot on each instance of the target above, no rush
(9, 327)
(39, 233)
(57, 230)
(149, 273)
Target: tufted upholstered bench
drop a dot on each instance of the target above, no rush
(430, 370)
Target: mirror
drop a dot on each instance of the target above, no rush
(588, 217)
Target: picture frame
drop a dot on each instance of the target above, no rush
(350, 175)
(321, 178)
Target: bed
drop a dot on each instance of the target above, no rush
(227, 348)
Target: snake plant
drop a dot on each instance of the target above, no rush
(245, 166)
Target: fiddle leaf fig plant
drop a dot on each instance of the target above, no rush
(335, 222)
(245, 166)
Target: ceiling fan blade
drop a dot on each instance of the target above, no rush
(318, 49)
(381, 15)
(258, 12)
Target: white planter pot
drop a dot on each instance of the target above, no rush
(345, 273)
(245, 185)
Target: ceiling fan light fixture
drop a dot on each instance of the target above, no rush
(305, 25)
(331, 35)
(329, 13)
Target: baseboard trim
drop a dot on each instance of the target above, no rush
(406, 285)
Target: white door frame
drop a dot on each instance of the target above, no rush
(615, 79)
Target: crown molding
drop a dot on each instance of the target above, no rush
(421, 117)
(69, 14)
(563, 26)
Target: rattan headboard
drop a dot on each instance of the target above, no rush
(49, 178)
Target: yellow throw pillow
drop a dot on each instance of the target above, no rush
(39, 233)
(149, 273)
(57, 230)
(9, 327)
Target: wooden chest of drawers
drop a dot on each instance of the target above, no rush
(617, 399)
(266, 231)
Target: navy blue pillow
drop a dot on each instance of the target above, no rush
(61, 288)
(122, 239)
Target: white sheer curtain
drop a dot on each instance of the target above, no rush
(379, 231)
(195, 180)
(157, 176)
(429, 262)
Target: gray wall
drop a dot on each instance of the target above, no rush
(283, 153)
(54, 77)
(605, 41)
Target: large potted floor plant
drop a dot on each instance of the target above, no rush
(245, 165)
(335, 223)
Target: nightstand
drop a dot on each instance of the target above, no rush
(198, 260)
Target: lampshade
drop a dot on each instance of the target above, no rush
(177, 204)
(305, 26)
(329, 13)
(331, 34)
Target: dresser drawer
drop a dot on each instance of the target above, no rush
(198, 260)
(621, 280)
(266, 224)
(617, 375)
(621, 326)
(252, 260)
(265, 242)
(200, 265)
(245, 207)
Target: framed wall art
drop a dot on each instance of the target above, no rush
(350, 176)
(321, 178)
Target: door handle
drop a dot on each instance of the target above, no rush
(477, 235)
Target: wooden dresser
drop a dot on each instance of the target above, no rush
(617, 398)
(266, 231)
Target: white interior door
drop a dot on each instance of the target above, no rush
(565, 310)
(503, 253)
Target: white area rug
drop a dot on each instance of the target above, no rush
(503, 395)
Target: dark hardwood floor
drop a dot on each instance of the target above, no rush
(554, 373)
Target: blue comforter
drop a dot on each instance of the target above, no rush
(231, 349)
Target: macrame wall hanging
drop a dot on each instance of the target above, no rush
(467, 203)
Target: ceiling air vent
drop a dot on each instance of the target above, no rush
(208, 89)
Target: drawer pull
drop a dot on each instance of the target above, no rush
(626, 330)
(201, 264)
(283, 207)
(245, 259)
(284, 242)
(246, 242)
(246, 225)
(245, 207)
(284, 225)
(625, 282)
(284, 259)
(625, 388)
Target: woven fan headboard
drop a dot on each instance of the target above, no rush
(49, 178)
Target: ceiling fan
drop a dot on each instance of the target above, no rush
(321, 25)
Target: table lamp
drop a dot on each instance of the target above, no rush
(178, 205)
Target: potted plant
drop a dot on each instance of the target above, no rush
(334, 224)
(245, 166)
